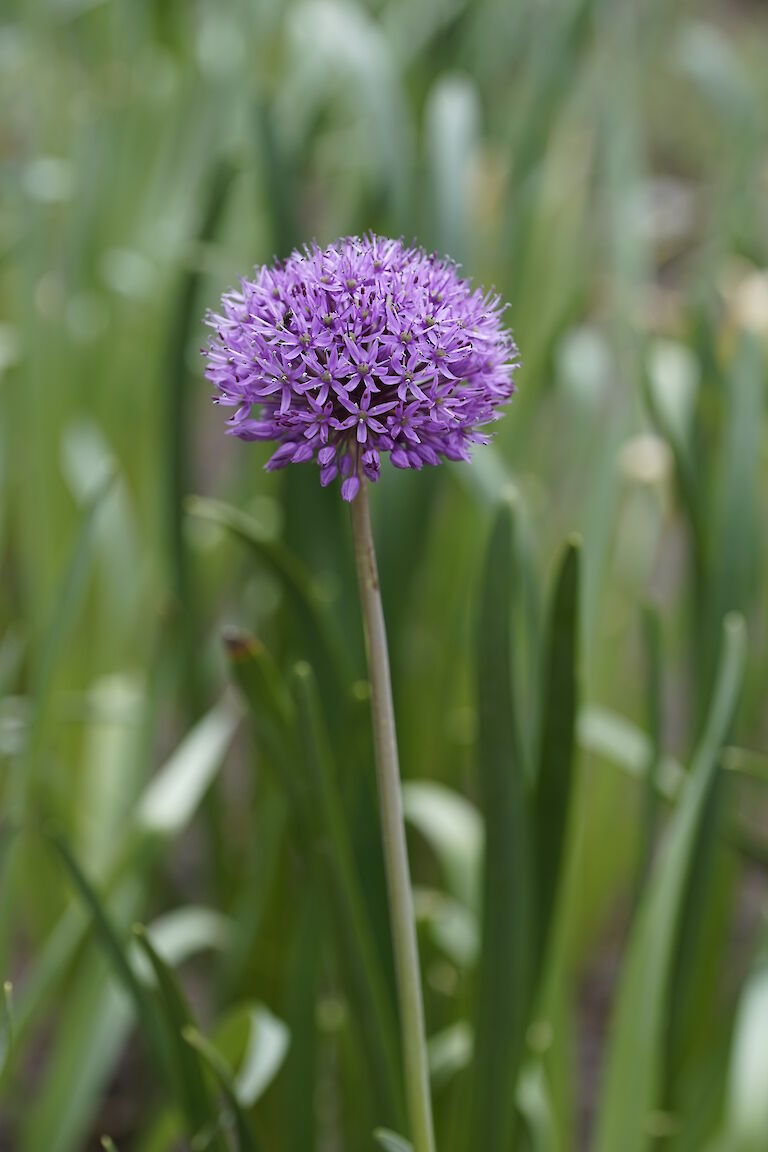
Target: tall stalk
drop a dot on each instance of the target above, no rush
(393, 833)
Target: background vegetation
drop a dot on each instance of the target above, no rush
(164, 759)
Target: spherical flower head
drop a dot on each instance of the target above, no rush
(363, 349)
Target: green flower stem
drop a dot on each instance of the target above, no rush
(393, 833)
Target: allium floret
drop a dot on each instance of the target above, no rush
(363, 348)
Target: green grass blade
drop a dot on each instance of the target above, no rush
(503, 986)
(632, 1079)
(195, 1099)
(558, 735)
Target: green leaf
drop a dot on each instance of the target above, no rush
(115, 948)
(324, 822)
(632, 1080)
(296, 740)
(652, 636)
(94, 1020)
(452, 118)
(391, 1142)
(535, 1104)
(183, 932)
(449, 1052)
(108, 1144)
(612, 737)
(246, 1137)
(178, 395)
(452, 926)
(299, 587)
(6, 1026)
(452, 827)
(172, 796)
(253, 1043)
(197, 1105)
(184, 776)
(265, 1051)
(504, 975)
(558, 728)
(747, 1101)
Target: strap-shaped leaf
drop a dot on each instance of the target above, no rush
(558, 729)
(632, 1080)
(504, 976)
(196, 1102)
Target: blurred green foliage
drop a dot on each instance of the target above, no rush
(184, 729)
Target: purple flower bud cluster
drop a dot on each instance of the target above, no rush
(364, 348)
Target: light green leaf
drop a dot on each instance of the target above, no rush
(452, 827)
(453, 927)
(6, 1026)
(254, 1043)
(452, 118)
(631, 1085)
(747, 1101)
(449, 1052)
(612, 737)
(535, 1104)
(182, 933)
(391, 1142)
(171, 798)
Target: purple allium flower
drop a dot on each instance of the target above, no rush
(367, 347)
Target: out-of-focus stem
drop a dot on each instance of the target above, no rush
(393, 833)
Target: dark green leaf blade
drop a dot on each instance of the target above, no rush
(333, 851)
(558, 736)
(503, 987)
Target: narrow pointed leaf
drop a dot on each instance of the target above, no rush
(557, 743)
(323, 647)
(333, 851)
(112, 942)
(195, 1099)
(503, 985)
(632, 1079)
